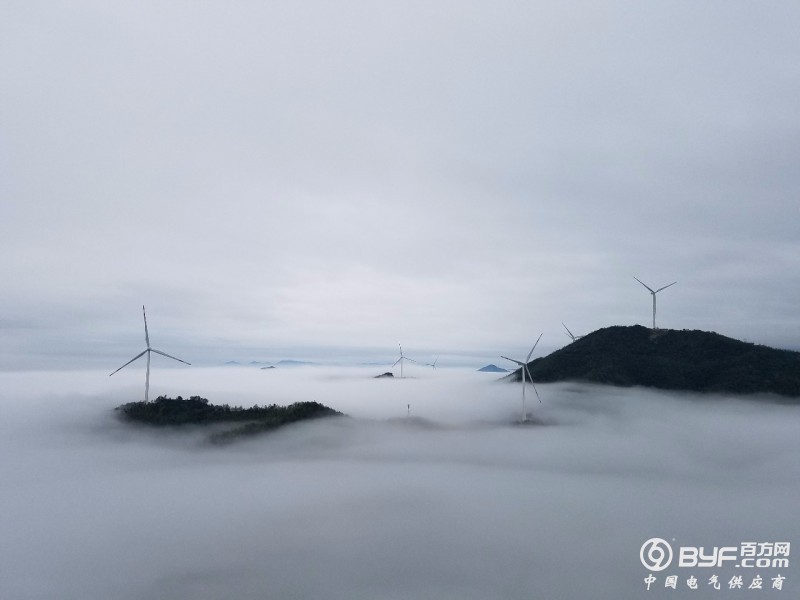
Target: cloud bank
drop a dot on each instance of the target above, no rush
(373, 506)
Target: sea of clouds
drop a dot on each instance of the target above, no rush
(457, 502)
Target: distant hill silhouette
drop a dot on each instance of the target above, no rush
(492, 369)
(671, 359)
(293, 363)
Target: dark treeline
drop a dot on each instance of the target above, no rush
(699, 361)
(195, 410)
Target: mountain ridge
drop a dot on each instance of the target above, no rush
(687, 360)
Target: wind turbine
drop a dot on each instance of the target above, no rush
(654, 292)
(569, 333)
(433, 364)
(148, 351)
(401, 360)
(524, 369)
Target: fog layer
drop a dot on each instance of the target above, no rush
(459, 503)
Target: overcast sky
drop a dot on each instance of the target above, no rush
(312, 178)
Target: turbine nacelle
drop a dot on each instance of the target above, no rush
(524, 369)
(148, 351)
(401, 360)
(569, 333)
(653, 293)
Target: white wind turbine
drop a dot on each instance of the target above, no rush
(569, 333)
(433, 364)
(524, 369)
(147, 351)
(401, 360)
(653, 293)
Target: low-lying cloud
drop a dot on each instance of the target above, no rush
(455, 503)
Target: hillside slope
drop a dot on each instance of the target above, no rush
(671, 359)
(172, 412)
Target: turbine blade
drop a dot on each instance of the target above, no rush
(519, 362)
(530, 378)
(665, 287)
(146, 334)
(534, 348)
(168, 356)
(569, 333)
(537, 391)
(644, 284)
(411, 359)
(397, 361)
(130, 361)
(528, 371)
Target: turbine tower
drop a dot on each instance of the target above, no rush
(401, 360)
(569, 333)
(147, 351)
(524, 369)
(654, 292)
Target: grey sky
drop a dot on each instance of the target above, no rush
(458, 176)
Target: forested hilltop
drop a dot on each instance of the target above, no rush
(671, 359)
(197, 411)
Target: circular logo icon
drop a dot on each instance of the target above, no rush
(656, 554)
